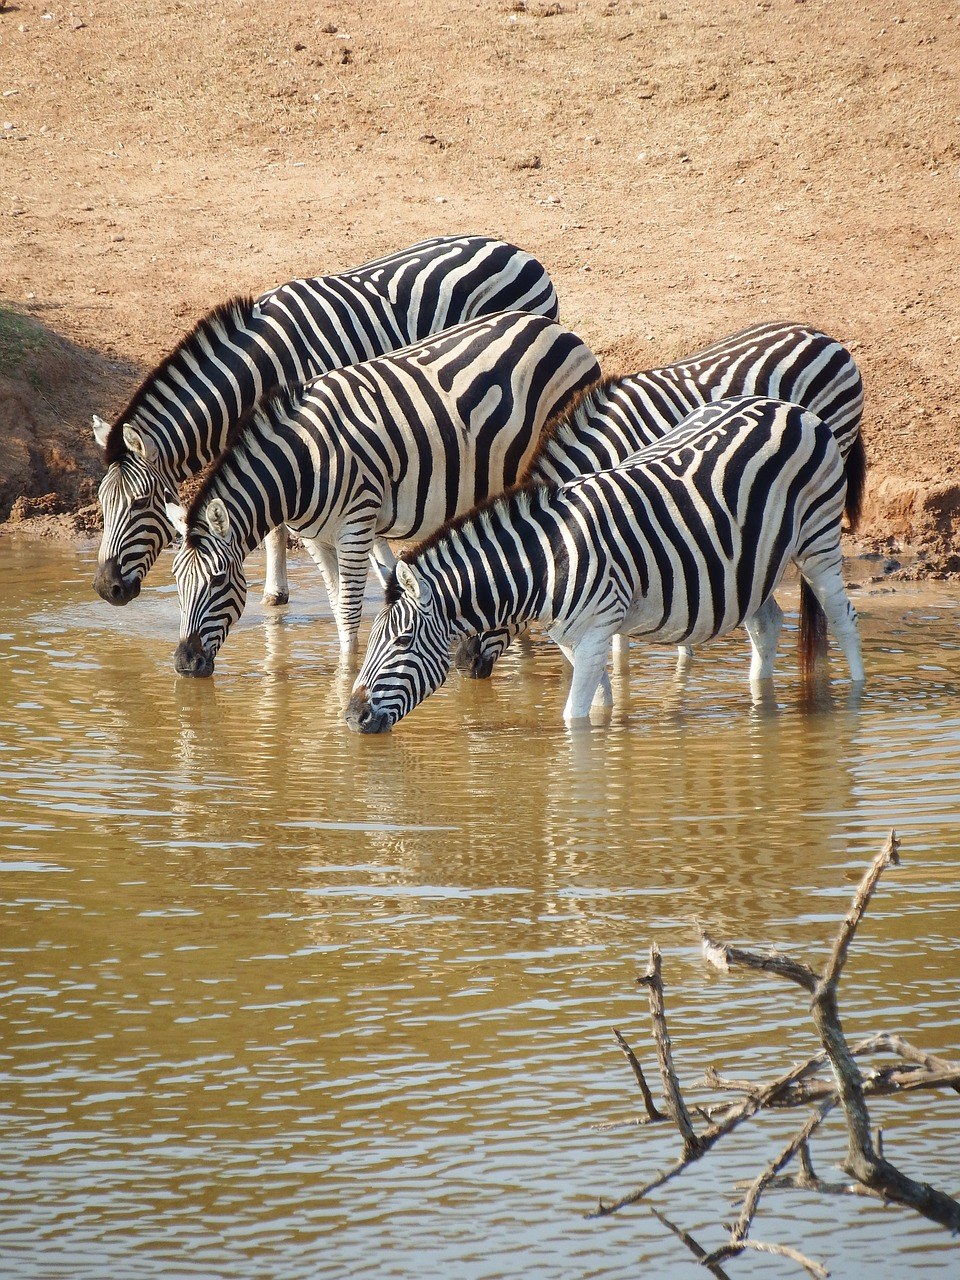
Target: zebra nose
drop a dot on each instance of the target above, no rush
(470, 659)
(191, 659)
(362, 718)
(110, 584)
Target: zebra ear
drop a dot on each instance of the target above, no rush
(139, 444)
(217, 518)
(417, 588)
(101, 429)
(177, 515)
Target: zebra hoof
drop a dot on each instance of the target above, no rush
(273, 599)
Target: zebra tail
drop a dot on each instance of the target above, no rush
(855, 469)
(813, 630)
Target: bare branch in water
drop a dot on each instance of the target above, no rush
(872, 1174)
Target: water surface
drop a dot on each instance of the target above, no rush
(279, 1000)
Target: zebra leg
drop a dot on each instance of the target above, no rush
(354, 548)
(828, 587)
(589, 658)
(383, 560)
(763, 628)
(276, 589)
(325, 558)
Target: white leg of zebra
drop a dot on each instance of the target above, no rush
(325, 558)
(763, 628)
(590, 685)
(276, 589)
(827, 586)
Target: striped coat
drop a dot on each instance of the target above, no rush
(608, 422)
(392, 447)
(178, 419)
(678, 545)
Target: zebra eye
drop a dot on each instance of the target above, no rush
(140, 502)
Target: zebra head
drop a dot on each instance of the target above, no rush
(211, 585)
(407, 655)
(132, 495)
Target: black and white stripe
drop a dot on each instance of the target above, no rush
(178, 420)
(391, 447)
(677, 545)
(618, 416)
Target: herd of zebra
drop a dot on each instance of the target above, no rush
(433, 397)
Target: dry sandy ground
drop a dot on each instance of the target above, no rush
(683, 168)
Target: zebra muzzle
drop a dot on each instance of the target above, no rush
(110, 584)
(362, 718)
(191, 659)
(470, 659)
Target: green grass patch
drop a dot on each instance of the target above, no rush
(20, 339)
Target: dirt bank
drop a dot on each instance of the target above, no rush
(683, 169)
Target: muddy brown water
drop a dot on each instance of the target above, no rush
(278, 1000)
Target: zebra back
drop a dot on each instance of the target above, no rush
(784, 361)
(245, 347)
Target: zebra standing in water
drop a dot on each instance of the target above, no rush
(390, 447)
(678, 545)
(614, 419)
(178, 420)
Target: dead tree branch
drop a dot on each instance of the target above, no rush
(871, 1172)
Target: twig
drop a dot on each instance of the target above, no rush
(696, 1249)
(862, 1161)
(738, 1234)
(865, 1161)
(787, 1251)
(676, 1106)
(743, 1111)
(653, 1114)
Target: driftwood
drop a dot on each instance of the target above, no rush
(869, 1171)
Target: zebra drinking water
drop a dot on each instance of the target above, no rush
(678, 545)
(392, 447)
(178, 420)
(621, 415)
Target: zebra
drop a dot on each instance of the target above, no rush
(610, 421)
(679, 544)
(392, 447)
(178, 419)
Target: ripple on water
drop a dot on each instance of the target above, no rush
(302, 1003)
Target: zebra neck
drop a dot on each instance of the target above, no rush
(487, 568)
(257, 491)
(203, 388)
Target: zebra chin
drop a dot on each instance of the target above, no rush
(191, 659)
(362, 718)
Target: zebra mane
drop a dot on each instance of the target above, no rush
(566, 420)
(520, 496)
(225, 319)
